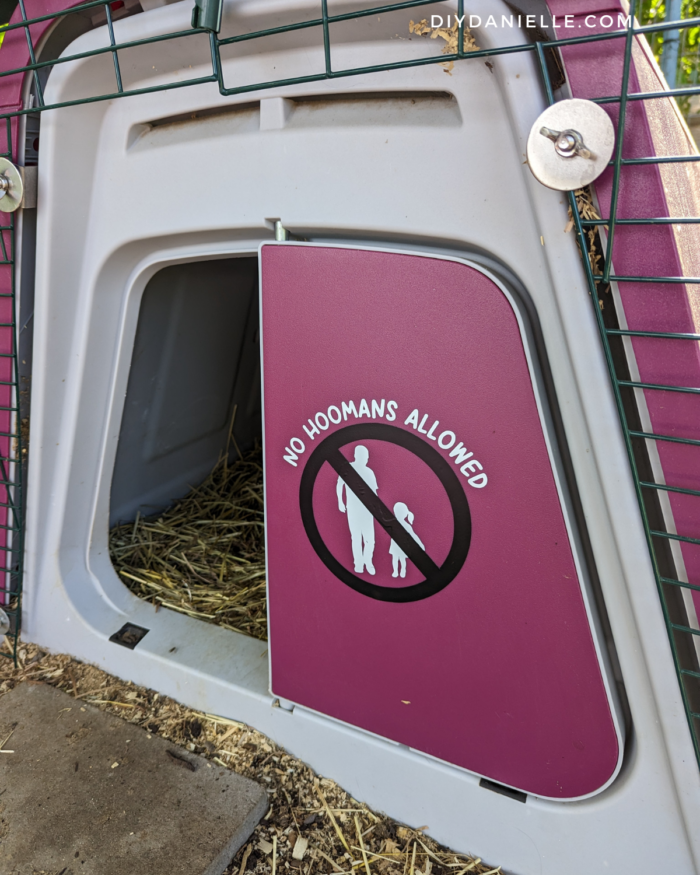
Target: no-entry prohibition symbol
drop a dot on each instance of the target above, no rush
(437, 577)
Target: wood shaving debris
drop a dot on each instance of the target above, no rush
(300, 846)
(451, 37)
(244, 860)
(587, 210)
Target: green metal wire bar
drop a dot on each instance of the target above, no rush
(112, 42)
(326, 38)
(619, 140)
(661, 220)
(545, 73)
(664, 488)
(694, 674)
(671, 537)
(9, 483)
(652, 95)
(666, 159)
(680, 583)
(13, 508)
(14, 492)
(662, 335)
(615, 278)
(679, 24)
(665, 437)
(659, 386)
(32, 56)
(688, 629)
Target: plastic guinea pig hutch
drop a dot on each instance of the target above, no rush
(481, 450)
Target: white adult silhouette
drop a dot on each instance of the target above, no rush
(398, 557)
(360, 520)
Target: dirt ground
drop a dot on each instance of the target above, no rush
(313, 826)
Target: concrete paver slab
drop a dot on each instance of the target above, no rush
(85, 793)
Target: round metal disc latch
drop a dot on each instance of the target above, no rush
(569, 145)
(11, 187)
(4, 623)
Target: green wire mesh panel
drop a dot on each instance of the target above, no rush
(10, 438)
(599, 238)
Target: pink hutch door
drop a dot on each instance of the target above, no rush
(423, 584)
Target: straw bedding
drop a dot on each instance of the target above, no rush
(205, 556)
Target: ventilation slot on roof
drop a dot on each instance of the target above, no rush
(243, 118)
(386, 109)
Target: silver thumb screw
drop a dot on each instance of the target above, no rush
(568, 143)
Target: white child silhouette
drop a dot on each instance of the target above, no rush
(398, 557)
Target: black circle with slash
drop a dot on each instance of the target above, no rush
(437, 577)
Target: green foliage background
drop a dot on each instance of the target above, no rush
(688, 72)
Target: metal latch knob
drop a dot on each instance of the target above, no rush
(583, 137)
(11, 187)
(568, 143)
